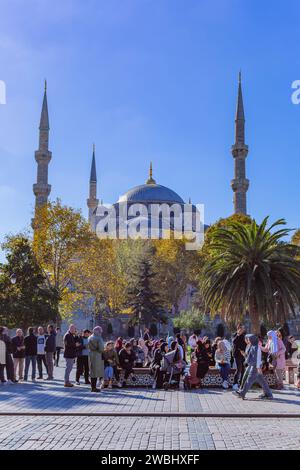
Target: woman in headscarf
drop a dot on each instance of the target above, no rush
(139, 353)
(222, 358)
(276, 350)
(143, 346)
(202, 360)
(156, 365)
(96, 363)
(119, 344)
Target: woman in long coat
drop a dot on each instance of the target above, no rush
(96, 363)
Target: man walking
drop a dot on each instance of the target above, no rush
(71, 344)
(254, 372)
(50, 347)
(238, 348)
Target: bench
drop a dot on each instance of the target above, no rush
(212, 378)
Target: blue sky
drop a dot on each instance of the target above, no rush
(150, 80)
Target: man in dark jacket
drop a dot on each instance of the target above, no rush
(30, 343)
(238, 348)
(83, 357)
(18, 350)
(10, 370)
(127, 358)
(71, 344)
(50, 348)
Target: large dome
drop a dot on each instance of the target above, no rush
(151, 192)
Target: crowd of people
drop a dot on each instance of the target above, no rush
(168, 359)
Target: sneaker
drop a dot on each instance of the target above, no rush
(119, 385)
(77, 382)
(266, 397)
(102, 385)
(10, 382)
(225, 384)
(235, 387)
(68, 384)
(39, 377)
(95, 390)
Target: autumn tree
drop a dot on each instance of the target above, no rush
(60, 235)
(30, 300)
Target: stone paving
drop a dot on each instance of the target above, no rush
(107, 433)
(151, 432)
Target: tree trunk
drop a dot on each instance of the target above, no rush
(254, 316)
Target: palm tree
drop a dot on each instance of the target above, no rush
(252, 268)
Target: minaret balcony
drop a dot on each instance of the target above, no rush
(240, 184)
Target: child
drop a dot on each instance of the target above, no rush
(111, 362)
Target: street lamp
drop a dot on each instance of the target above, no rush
(276, 296)
(140, 318)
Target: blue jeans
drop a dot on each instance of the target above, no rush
(28, 360)
(224, 370)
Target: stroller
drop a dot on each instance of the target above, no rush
(172, 371)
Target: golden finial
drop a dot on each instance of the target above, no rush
(150, 180)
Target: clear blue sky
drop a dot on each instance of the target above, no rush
(150, 80)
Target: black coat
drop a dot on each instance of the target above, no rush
(126, 360)
(50, 346)
(238, 343)
(70, 346)
(203, 362)
(30, 343)
(18, 341)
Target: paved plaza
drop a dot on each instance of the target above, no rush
(170, 418)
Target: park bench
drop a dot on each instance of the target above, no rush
(211, 379)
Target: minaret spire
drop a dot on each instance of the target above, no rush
(239, 150)
(150, 179)
(43, 156)
(92, 201)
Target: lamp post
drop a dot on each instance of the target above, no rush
(140, 318)
(276, 296)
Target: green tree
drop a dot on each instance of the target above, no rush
(142, 300)
(251, 267)
(192, 319)
(30, 301)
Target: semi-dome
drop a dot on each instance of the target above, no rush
(151, 192)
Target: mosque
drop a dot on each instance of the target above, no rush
(150, 192)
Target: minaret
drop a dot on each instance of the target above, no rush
(92, 201)
(239, 150)
(41, 188)
(150, 179)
